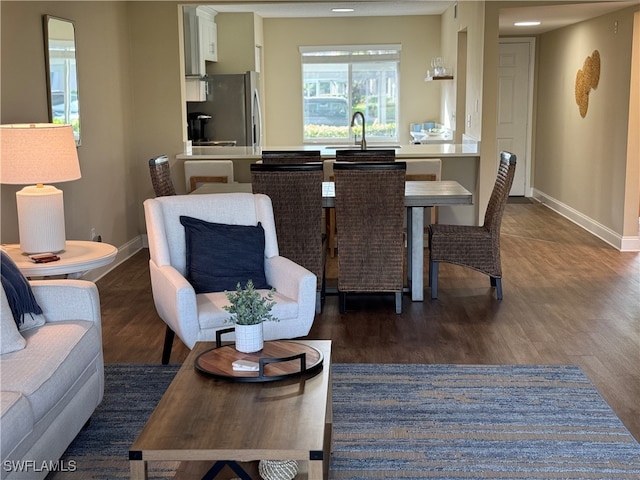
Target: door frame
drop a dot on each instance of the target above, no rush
(528, 161)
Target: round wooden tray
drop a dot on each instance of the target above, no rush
(277, 360)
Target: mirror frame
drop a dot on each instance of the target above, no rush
(70, 112)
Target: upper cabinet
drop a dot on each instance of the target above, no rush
(208, 34)
(200, 39)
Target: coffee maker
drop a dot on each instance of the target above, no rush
(197, 126)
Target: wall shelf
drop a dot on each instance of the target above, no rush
(444, 77)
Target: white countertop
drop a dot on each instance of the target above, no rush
(470, 149)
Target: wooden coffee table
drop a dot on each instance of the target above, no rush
(203, 419)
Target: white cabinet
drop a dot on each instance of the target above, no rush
(208, 35)
(195, 89)
(200, 39)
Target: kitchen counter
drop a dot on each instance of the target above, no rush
(470, 149)
(460, 162)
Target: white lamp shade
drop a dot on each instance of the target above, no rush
(38, 153)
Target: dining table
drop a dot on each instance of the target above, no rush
(419, 195)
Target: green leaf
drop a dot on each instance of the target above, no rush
(248, 307)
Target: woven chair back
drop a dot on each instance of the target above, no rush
(296, 195)
(290, 156)
(370, 208)
(161, 176)
(500, 193)
(384, 156)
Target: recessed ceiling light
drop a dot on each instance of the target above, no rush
(342, 10)
(527, 24)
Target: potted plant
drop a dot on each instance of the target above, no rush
(248, 309)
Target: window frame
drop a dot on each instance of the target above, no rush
(351, 56)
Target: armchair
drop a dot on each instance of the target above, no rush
(198, 316)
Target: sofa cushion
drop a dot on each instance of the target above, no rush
(17, 419)
(221, 256)
(56, 356)
(10, 338)
(211, 313)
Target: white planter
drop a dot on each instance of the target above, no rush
(249, 338)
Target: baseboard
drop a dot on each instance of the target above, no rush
(124, 252)
(624, 244)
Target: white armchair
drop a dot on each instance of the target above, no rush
(198, 316)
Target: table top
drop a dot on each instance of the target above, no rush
(417, 193)
(78, 256)
(200, 418)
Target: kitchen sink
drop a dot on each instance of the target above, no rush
(357, 147)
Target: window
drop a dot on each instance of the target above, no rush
(340, 80)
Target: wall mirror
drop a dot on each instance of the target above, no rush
(62, 73)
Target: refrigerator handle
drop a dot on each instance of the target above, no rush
(257, 122)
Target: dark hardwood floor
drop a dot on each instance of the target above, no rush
(568, 299)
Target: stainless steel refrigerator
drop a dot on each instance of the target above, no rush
(233, 104)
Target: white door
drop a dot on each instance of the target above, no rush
(514, 108)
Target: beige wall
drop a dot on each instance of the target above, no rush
(477, 81)
(130, 103)
(582, 162)
(420, 39)
(105, 105)
(130, 73)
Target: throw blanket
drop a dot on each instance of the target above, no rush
(18, 291)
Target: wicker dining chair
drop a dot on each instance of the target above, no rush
(370, 208)
(290, 156)
(351, 156)
(476, 247)
(382, 155)
(296, 195)
(161, 176)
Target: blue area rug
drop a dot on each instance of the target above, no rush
(447, 421)
(410, 422)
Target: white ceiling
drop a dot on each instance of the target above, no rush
(551, 16)
(555, 16)
(315, 9)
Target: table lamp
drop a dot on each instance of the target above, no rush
(39, 153)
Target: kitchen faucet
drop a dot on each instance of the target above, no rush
(363, 142)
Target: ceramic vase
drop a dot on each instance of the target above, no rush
(249, 338)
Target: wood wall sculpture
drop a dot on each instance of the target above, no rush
(587, 79)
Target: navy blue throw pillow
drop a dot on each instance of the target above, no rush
(219, 256)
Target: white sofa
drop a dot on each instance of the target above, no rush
(49, 388)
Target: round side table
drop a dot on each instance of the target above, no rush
(77, 257)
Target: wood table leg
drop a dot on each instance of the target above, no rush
(409, 246)
(138, 469)
(315, 470)
(417, 253)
